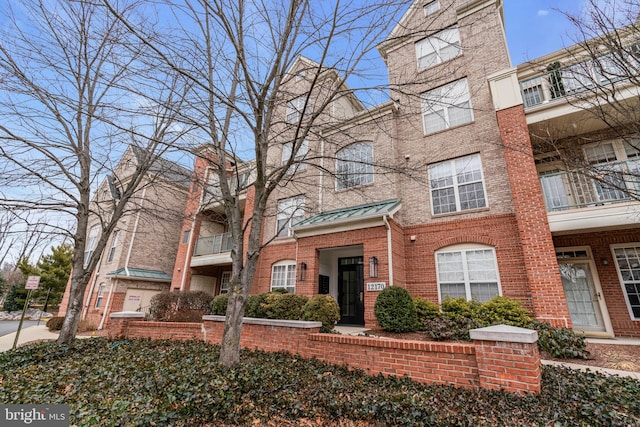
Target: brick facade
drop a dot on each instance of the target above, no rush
(510, 366)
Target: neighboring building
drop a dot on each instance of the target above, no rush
(436, 191)
(138, 259)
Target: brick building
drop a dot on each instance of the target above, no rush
(437, 190)
(138, 260)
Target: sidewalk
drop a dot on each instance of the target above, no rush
(32, 333)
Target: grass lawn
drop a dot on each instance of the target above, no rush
(141, 382)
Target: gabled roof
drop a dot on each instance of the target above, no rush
(164, 168)
(350, 215)
(140, 274)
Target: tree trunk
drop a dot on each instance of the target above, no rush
(74, 309)
(230, 347)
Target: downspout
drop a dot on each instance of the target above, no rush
(193, 232)
(188, 254)
(107, 307)
(321, 181)
(389, 249)
(88, 299)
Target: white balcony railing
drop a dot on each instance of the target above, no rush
(601, 184)
(561, 81)
(216, 244)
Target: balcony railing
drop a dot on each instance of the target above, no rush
(216, 244)
(560, 81)
(602, 184)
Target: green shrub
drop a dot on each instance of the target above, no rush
(560, 342)
(502, 310)
(55, 323)
(395, 310)
(284, 306)
(219, 305)
(322, 308)
(425, 310)
(254, 306)
(460, 307)
(168, 306)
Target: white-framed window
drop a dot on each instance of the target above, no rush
(91, 243)
(100, 296)
(440, 47)
(224, 282)
(431, 7)
(446, 106)
(290, 212)
(469, 271)
(298, 164)
(354, 166)
(283, 276)
(627, 258)
(114, 244)
(294, 109)
(457, 185)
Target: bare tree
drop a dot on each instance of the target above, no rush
(240, 58)
(77, 89)
(600, 77)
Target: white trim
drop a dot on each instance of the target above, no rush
(284, 263)
(595, 278)
(456, 186)
(462, 248)
(613, 247)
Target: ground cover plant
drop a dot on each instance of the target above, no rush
(141, 383)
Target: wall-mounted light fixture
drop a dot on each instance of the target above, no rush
(303, 271)
(373, 267)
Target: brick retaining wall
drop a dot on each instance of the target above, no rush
(500, 357)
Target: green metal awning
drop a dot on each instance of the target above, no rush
(351, 215)
(140, 274)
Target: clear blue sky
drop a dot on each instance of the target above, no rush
(535, 27)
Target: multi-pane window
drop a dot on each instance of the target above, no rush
(431, 7)
(100, 295)
(114, 244)
(457, 185)
(91, 243)
(446, 106)
(438, 48)
(290, 212)
(224, 282)
(298, 164)
(469, 273)
(355, 165)
(283, 276)
(294, 109)
(628, 265)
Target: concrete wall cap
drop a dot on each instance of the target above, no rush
(504, 333)
(127, 315)
(302, 324)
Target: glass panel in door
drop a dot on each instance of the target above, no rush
(582, 297)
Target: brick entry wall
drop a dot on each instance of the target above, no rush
(501, 357)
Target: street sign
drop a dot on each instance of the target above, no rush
(32, 282)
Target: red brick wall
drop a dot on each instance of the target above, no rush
(600, 244)
(540, 262)
(499, 231)
(496, 365)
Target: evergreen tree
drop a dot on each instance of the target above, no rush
(54, 270)
(15, 298)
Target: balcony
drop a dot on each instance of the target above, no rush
(215, 244)
(562, 81)
(602, 196)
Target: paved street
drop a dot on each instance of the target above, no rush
(9, 326)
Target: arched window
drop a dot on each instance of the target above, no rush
(468, 270)
(283, 276)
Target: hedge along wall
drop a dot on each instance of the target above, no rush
(501, 357)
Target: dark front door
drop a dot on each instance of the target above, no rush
(351, 290)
